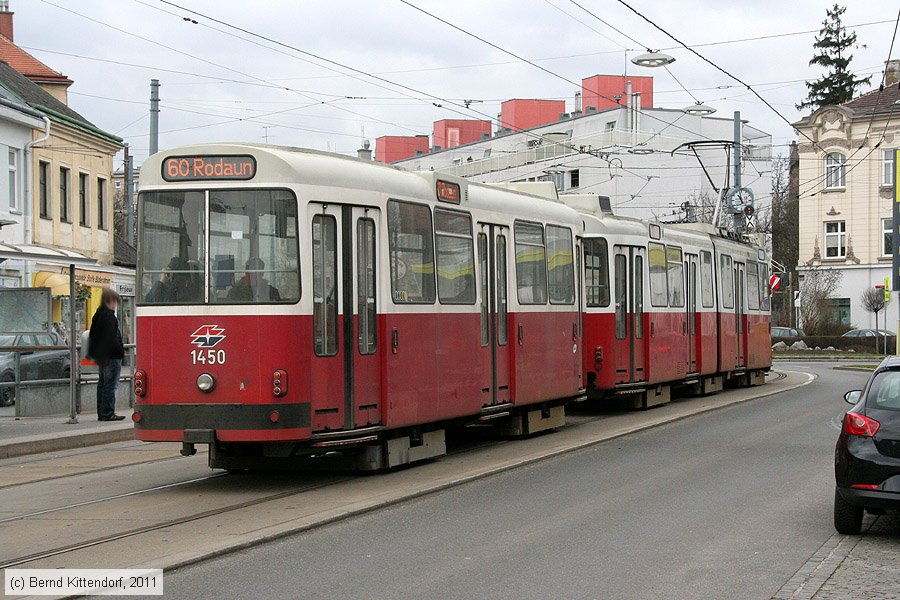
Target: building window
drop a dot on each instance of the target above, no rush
(574, 178)
(834, 170)
(887, 245)
(64, 206)
(887, 177)
(840, 310)
(611, 126)
(43, 189)
(84, 208)
(13, 177)
(101, 203)
(836, 239)
(557, 177)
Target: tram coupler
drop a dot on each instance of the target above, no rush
(188, 449)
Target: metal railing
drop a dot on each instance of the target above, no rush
(75, 370)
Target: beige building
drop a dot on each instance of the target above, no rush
(846, 194)
(68, 174)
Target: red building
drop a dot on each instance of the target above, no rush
(390, 148)
(450, 133)
(600, 91)
(525, 114)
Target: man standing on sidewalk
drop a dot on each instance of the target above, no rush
(105, 347)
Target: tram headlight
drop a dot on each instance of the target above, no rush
(206, 382)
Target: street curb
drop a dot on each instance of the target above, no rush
(328, 520)
(857, 368)
(38, 445)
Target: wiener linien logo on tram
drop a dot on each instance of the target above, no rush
(207, 336)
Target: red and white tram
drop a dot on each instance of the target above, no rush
(293, 302)
(669, 305)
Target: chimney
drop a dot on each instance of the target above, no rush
(6, 20)
(891, 69)
(365, 153)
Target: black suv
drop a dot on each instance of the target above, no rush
(867, 456)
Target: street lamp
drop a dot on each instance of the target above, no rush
(698, 109)
(640, 150)
(653, 60)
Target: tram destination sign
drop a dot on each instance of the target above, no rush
(228, 167)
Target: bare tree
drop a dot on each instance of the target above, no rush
(816, 292)
(784, 225)
(873, 300)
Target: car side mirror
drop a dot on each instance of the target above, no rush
(852, 397)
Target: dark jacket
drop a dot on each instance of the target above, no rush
(105, 340)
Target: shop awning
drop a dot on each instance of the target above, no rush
(57, 282)
(43, 254)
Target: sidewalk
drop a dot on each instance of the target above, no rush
(32, 435)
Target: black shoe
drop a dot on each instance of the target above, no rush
(116, 418)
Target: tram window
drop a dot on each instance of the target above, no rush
(621, 274)
(365, 286)
(596, 272)
(502, 299)
(455, 263)
(706, 278)
(325, 308)
(658, 279)
(412, 253)
(531, 264)
(170, 269)
(752, 285)
(485, 298)
(638, 297)
(560, 265)
(727, 281)
(253, 247)
(675, 270)
(764, 286)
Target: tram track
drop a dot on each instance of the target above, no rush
(141, 463)
(162, 525)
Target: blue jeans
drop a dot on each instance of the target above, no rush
(106, 388)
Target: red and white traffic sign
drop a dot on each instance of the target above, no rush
(775, 282)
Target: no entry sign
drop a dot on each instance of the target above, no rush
(775, 282)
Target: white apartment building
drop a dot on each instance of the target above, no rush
(633, 155)
(846, 193)
(17, 122)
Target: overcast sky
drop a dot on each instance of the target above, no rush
(217, 86)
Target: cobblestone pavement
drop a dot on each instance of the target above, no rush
(872, 569)
(865, 567)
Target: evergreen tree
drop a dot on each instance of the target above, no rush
(833, 45)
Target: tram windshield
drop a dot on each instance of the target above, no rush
(242, 251)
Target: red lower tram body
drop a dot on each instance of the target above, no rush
(274, 398)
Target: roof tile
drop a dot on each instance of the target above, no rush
(28, 65)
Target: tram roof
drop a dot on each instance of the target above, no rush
(283, 165)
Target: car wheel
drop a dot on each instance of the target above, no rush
(847, 518)
(7, 394)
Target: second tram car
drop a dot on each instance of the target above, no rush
(669, 305)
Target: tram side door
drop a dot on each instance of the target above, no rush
(628, 273)
(346, 370)
(492, 243)
(739, 309)
(691, 270)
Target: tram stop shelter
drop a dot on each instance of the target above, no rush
(54, 256)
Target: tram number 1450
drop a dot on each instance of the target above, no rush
(208, 357)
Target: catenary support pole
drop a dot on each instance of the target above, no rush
(154, 116)
(738, 216)
(73, 356)
(129, 196)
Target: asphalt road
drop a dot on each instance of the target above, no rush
(728, 504)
